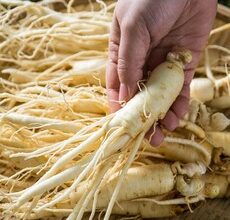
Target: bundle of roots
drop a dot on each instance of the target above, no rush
(63, 155)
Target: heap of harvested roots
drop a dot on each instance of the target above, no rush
(63, 155)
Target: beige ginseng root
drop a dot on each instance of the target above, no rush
(190, 183)
(156, 179)
(149, 184)
(215, 87)
(201, 119)
(40, 30)
(206, 90)
(45, 46)
(181, 149)
(126, 127)
(193, 184)
(201, 187)
(221, 162)
(220, 140)
(166, 192)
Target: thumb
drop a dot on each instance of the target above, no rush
(133, 49)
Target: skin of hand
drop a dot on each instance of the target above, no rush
(142, 33)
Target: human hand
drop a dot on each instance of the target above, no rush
(142, 33)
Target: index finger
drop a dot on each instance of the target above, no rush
(112, 79)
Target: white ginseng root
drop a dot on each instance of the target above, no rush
(145, 109)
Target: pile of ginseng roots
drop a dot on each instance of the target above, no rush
(53, 98)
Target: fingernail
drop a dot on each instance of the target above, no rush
(123, 92)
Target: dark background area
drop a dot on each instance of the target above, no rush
(225, 2)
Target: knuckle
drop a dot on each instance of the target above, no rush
(122, 66)
(113, 51)
(170, 126)
(113, 46)
(122, 69)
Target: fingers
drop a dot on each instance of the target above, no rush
(112, 85)
(128, 47)
(133, 48)
(112, 80)
(156, 136)
(170, 121)
(157, 56)
(181, 104)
